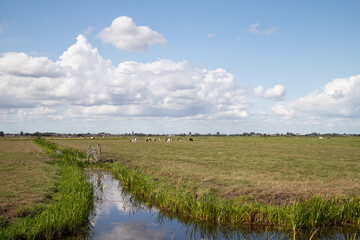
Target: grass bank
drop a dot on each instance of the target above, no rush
(68, 208)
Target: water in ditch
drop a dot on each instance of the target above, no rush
(118, 215)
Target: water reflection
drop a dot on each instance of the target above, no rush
(118, 215)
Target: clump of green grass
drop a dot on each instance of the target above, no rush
(316, 212)
(70, 208)
(67, 155)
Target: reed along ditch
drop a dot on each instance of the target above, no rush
(130, 204)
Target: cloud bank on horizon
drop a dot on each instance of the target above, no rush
(82, 85)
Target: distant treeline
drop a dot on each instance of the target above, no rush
(218, 134)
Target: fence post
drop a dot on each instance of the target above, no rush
(89, 153)
(99, 152)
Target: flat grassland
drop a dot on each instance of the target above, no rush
(272, 170)
(25, 177)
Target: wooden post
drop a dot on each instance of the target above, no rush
(90, 153)
(99, 152)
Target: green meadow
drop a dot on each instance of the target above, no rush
(44, 194)
(282, 181)
(27, 180)
(287, 182)
(272, 170)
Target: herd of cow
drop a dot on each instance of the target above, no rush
(179, 139)
(159, 140)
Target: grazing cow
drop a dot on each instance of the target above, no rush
(133, 140)
(321, 138)
(159, 139)
(148, 139)
(179, 139)
(191, 140)
(168, 140)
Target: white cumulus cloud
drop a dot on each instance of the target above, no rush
(85, 85)
(124, 34)
(276, 93)
(259, 91)
(339, 98)
(21, 64)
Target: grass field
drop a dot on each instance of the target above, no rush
(271, 170)
(44, 194)
(213, 179)
(26, 179)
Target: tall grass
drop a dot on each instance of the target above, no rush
(70, 209)
(65, 156)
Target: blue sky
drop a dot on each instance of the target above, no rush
(174, 67)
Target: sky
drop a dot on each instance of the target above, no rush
(180, 66)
